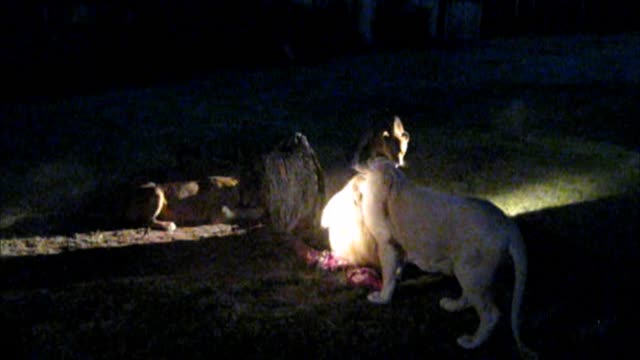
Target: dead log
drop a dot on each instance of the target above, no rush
(292, 189)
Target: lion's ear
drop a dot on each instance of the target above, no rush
(398, 128)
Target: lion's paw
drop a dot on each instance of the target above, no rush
(377, 298)
(452, 305)
(468, 342)
(168, 226)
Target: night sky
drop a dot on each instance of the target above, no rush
(59, 46)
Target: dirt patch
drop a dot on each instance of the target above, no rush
(49, 245)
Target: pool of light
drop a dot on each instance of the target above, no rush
(558, 189)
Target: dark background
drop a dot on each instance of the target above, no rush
(54, 47)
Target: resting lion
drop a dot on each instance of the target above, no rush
(442, 233)
(161, 206)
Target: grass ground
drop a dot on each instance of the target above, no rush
(543, 127)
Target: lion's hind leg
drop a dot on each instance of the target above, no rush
(475, 280)
(488, 313)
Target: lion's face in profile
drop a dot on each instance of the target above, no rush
(394, 143)
(389, 140)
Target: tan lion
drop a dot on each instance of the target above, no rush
(442, 233)
(211, 200)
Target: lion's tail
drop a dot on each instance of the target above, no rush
(518, 253)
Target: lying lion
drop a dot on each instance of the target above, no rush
(442, 233)
(211, 200)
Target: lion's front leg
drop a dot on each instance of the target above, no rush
(145, 205)
(391, 264)
(160, 203)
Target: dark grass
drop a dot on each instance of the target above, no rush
(250, 296)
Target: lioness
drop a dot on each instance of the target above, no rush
(214, 199)
(348, 238)
(442, 233)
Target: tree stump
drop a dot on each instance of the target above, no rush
(292, 189)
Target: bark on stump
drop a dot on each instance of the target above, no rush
(292, 190)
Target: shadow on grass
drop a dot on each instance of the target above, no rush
(227, 295)
(580, 292)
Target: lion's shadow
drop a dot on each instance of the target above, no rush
(581, 281)
(579, 297)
